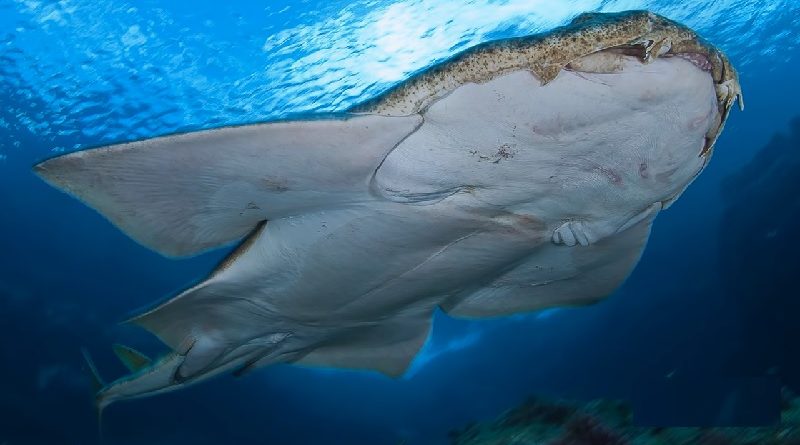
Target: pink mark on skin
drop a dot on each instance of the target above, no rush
(696, 123)
(664, 176)
(698, 60)
(613, 177)
(701, 121)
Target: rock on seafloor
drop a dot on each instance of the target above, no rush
(540, 421)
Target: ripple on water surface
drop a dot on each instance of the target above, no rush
(75, 73)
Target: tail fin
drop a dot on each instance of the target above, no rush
(97, 385)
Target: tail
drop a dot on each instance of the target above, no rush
(97, 386)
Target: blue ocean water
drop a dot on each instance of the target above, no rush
(712, 303)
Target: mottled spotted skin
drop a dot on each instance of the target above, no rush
(646, 34)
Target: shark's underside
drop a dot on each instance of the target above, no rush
(520, 174)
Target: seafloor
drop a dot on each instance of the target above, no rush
(602, 422)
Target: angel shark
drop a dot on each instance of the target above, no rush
(520, 174)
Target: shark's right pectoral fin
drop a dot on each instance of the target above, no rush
(186, 193)
(555, 275)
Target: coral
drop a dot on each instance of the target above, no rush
(588, 430)
(538, 410)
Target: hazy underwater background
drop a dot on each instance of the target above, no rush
(704, 331)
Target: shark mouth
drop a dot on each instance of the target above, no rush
(705, 58)
(698, 60)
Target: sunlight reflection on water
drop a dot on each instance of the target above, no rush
(85, 72)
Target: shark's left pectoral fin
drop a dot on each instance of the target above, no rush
(187, 193)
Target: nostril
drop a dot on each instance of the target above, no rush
(643, 170)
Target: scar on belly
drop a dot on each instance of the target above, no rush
(613, 176)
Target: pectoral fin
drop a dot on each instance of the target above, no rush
(186, 193)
